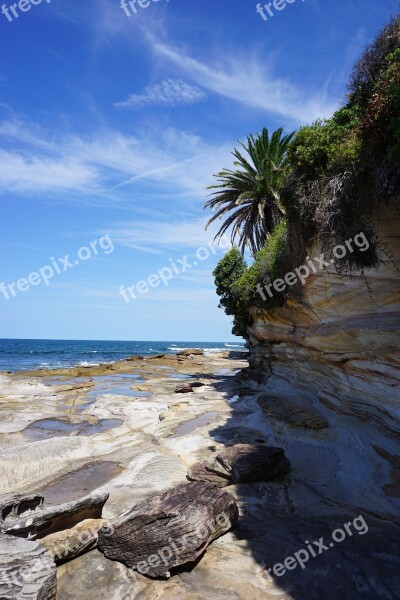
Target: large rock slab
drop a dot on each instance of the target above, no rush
(190, 352)
(242, 463)
(12, 506)
(170, 529)
(28, 516)
(27, 572)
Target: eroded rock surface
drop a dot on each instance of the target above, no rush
(30, 517)
(27, 572)
(71, 543)
(242, 463)
(170, 529)
(334, 478)
(334, 359)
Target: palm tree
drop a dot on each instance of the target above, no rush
(253, 192)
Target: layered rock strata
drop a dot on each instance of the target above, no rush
(326, 368)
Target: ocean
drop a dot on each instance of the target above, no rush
(22, 355)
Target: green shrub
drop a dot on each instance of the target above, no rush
(309, 151)
(277, 258)
(328, 145)
(269, 263)
(237, 284)
(229, 269)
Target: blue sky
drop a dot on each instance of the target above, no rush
(113, 126)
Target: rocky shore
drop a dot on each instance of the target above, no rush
(125, 433)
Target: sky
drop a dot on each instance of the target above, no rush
(112, 125)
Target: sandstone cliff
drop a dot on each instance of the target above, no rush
(332, 358)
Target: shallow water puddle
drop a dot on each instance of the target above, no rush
(78, 484)
(226, 372)
(49, 428)
(119, 385)
(233, 399)
(101, 426)
(193, 424)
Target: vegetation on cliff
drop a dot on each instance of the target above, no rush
(325, 182)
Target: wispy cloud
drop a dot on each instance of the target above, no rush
(98, 164)
(251, 82)
(170, 92)
(23, 174)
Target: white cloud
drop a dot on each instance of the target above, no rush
(99, 164)
(170, 92)
(37, 174)
(252, 83)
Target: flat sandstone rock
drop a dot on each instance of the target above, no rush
(71, 543)
(26, 570)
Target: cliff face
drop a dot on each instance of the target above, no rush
(333, 358)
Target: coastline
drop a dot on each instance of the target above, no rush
(46, 354)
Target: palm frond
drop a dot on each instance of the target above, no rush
(250, 195)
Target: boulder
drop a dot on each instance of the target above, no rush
(202, 471)
(189, 354)
(28, 516)
(170, 529)
(242, 463)
(184, 388)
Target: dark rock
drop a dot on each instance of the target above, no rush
(27, 516)
(170, 529)
(13, 506)
(203, 472)
(242, 463)
(184, 388)
(190, 352)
